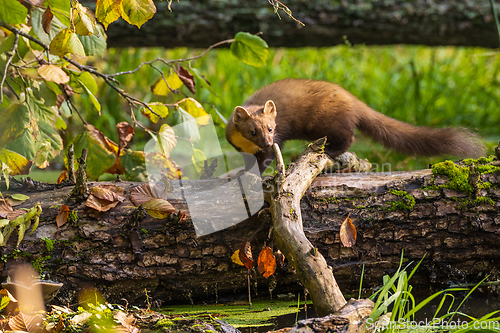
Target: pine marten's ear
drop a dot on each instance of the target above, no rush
(240, 114)
(270, 108)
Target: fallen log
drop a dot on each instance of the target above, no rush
(452, 219)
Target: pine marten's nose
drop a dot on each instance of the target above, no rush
(268, 144)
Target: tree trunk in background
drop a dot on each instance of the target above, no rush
(122, 256)
(202, 23)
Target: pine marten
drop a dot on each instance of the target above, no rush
(308, 109)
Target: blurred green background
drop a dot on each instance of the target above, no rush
(439, 86)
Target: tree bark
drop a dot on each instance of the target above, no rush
(202, 23)
(121, 254)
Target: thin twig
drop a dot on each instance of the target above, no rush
(169, 62)
(277, 5)
(9, 60)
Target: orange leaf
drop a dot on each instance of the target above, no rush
(25, 323)
(348, 233)
(266, 262)
(62, 177)
(62, 217)
(5, 208)
(236, 258)
(53, 73)
(246, 254)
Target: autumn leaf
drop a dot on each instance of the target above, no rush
(266, 262)
(236, 258)
(47, 20)
(160, 110)
(62, 177)
(125, 134)
(195, 109)
(348, 233)
(138, 12)
(108, 11)
(104, 197)
(53, 73)
(141, 194)
(17, 199)
(62, 217)
(127, 321)
(246, 254)
(158, 208)
(5, 208)
(186, 78)
(166, 140)
(25, 323)
(164, 87)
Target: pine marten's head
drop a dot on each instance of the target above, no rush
(256, 123)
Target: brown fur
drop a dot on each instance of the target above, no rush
(309, 110)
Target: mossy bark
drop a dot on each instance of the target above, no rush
(202, 23)
(122, 254)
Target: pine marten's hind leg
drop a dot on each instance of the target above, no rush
(336, 145)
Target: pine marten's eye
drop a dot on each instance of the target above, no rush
(254, 133)
(270, 129)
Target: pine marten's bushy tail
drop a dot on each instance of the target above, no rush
(419, 140)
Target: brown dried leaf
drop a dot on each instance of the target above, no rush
(127, 321)
(47, 20)
(25, 323)
(158, 208)
(62, 177)
(5, 208)
(62, 217)
(143, 193)
(125, 134)
(266, 262)
(348, 233)
(246, 254)
(100, 205)
(109, 192)
(186, 78)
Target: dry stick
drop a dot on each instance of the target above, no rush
(71, 163)
(311, 267)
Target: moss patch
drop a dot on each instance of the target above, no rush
(238, 314)
(458, 176)
(406, 203)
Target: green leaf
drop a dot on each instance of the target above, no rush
(14, 120)
(94, 45)
(94, 100)
(40, 110)
(6, 171)
(250, 49)
(134, 164)
(157, 107)
(138, 12)
(198, 159)
(86, 79)
(49, 145)
(19, 197)
(24, 144)
(101, 151)
(61, 10)
(46, 94)
(12, 12)
(66, 41)
(166, 140)
(17, 163)
(60, 123)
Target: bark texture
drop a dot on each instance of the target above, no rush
(202, 23)
(121, 254)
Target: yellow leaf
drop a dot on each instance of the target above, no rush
(195, 109)
(53, 73)
(162, 88)
(158, 208)
(138, 12)
(108, 11)
(160, 109)
(85, 23)
(166, 140)
(236, 258)
(65, 42)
